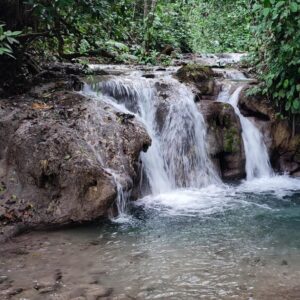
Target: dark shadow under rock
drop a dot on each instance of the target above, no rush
(225, 144)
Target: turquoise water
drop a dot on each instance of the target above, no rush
(239, 245)
(221, 242)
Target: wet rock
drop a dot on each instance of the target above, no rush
(66, 68)
(3, 278)
(255, 106)
(225, 144)
(284, 148)
(52, 161)
(11, 292)
(200, 78)
(148, 75)
(284, 262)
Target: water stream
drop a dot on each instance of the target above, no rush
(190, 236)
(257, 157)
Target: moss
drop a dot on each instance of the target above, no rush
(194, 73)
(231, 140)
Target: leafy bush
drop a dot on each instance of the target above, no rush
(220, 26)
(278, 52)
(7, 40)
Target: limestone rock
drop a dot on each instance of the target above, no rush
(200, 78)
(58, 159)
(225, 144)
(255, 106)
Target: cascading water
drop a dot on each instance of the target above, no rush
(257, 158)
(183, 139)
(178, 156)
(137, 96)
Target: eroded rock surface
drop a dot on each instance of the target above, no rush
(58, 154)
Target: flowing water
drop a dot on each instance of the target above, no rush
(178, 155)
(189, 236)
(235, 242)
(257, 158)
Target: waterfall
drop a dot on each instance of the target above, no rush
(178, 155)
(138, 96)
(257, 158)
(183, 141)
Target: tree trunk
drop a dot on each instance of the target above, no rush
(145, 9)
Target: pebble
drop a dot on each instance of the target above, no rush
(3, 278)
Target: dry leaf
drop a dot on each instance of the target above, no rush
(41, 106)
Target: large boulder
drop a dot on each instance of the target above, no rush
(225, 144)
(285, 151)
(60, 158)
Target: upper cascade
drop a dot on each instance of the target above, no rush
(257, 157)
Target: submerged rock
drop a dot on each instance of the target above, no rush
(225, 144)
(59, 160)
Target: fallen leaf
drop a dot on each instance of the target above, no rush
(40, 106)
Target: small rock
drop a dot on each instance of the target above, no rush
(284, 262)
(95, 242)
(48, 289)
(13, 291)
(41, 285)
(149, 76)
(98, 292)
(3, 278)
(58, 275)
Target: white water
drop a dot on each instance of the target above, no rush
(183, 141)
(257, 158)
(180, 175)
(178, 155)
(137, 95)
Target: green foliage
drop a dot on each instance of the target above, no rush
(7, 40)
(278, 51)
(137, 30)
(220, 26)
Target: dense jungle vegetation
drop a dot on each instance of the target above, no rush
(154, 31)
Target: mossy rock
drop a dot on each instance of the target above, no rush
(194, 73)
(231, 140)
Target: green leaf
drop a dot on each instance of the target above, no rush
(296, 104)
(294, 7)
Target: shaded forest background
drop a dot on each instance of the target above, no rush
(154, 32)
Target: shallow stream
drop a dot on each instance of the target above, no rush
(212, 243)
